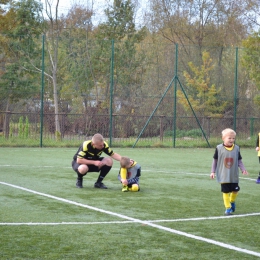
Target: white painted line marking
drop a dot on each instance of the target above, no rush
(64, 223)
(210, 241)
(117, 169)
(205, 218)
(127, 221)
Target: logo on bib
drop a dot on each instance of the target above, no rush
(228, 162)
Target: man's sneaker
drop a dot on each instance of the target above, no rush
(258, 180)
(125, 188)
(100, 185)
(228, 212)
(233, 206)
(79, 183)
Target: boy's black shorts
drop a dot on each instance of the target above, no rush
(92, 168)
(229, 187)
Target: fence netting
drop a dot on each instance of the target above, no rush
(145, 94)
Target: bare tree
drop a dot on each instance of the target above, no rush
(204, 22)
(55, 27)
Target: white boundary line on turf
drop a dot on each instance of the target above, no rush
(174, 231)
(124, 222)
(205, 218)
(64, 223)
(117, 169)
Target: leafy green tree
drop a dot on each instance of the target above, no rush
(120, 27)
(251, 61)
(120, 23)
(82, 60)
(15, 84)
(203, 96)
(20, 25)
(20, 28)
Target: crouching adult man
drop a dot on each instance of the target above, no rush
(88, 159)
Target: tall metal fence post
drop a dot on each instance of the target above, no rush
(111, 93)
(42, 91)
(235, 90)
(175, 94)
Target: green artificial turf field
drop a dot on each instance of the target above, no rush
(178, 214)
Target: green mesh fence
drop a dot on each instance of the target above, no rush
(134, 94)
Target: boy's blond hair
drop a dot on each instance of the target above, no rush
(228, 131)
(124, 162)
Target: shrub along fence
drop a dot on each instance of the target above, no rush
(24, 129)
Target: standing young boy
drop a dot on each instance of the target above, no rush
(129, 174)
(226, 161)
(258, 154)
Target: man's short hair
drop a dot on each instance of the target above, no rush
(97, 138)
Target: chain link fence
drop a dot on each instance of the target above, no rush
(134, 94)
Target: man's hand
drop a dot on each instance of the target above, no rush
(99, 164)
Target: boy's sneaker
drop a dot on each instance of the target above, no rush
(100, 185)
(258, 180)
(125, 188)
(79, 183)
(233, 206)
(228, 212)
